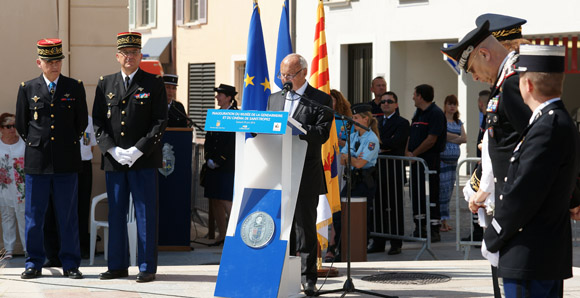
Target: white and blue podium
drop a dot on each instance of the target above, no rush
(269, 162)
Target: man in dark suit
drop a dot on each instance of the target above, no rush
(317, 123)
(394, 132)
(51, 116)
(130, 116)
(537, 189)
(176, 116)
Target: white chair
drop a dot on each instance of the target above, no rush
(131, 229)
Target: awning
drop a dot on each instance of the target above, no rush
(157, 47)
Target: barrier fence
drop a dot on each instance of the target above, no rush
(466, 165)
(403, 182)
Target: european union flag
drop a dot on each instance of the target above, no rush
(256, 83)
(284, 42)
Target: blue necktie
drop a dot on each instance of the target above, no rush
(51, 88)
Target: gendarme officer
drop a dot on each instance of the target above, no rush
(51, 116)
(176, 116)
(130, 116)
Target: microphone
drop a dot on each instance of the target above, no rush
(287, 87)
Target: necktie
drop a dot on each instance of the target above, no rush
(51, 88)
(127, 82)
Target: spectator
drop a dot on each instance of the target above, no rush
(394, 132)
(455, 137)
(11, 184)
(378, 88)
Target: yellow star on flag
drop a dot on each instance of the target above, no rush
(248, 80)
(266, 84)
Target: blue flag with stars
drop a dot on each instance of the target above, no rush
(256, 79)
(284, 42)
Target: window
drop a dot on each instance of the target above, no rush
(142, 14)
(200, 96)
(360, 67)
(191, 12)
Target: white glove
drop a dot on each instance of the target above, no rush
(133, 154)
(492, 257)
(118, 154)
(212, 165)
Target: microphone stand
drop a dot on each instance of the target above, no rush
(348, 286)
(190, 121)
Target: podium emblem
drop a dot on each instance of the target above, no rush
(258, 229)
(168, 160)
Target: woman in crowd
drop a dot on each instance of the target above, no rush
(11, 184)
(455, 137)
(364, 151)
(220, 151)
(341, 106)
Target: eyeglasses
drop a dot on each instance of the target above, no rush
(8, 126)
(472, 59)
(389, 101)
(287, 76)
(129, 53)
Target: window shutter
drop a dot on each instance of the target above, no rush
(200, 96)
(152, 22)
(179, 12)
(132, 13)
(202, 13)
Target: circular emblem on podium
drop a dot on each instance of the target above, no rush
(258, 229)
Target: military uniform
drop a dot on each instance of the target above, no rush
(51, 125)
(176, 115)
(127, 118)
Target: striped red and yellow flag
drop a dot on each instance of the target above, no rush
(319, 79)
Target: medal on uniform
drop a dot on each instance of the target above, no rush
(109, 113)
(35, 115)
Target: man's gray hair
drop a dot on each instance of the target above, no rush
(303, 62)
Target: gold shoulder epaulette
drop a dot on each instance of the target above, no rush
(80, 81)
(22, 84)
(101, 78)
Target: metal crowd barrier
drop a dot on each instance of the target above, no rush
(470, 163)
(386, 222)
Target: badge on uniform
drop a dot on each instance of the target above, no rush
(35, 98)
(490, 131)
(371, 146)
(142, 95)
(492, 105)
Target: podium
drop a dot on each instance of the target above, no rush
(175, 190)
(269, 166)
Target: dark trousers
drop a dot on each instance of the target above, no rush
(142, 185)
(365, 190)
(303, 237)
(388, 204)
(417, 185)
(519, 288)
(51, 236)
(64, 198)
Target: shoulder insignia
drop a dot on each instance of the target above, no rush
(80, 81)
(22, 84)
(101, 78)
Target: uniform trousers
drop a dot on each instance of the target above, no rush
(142, 185)
(12, 216)
(520, 288)
(64, 198)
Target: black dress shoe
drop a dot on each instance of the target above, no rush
(52, 263)
(375, 248)
(394, 250)
(309, 288)
(30, 273)
(112, 274)
(145, 276)
(73, 273)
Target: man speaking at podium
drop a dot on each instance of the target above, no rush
(317, 123)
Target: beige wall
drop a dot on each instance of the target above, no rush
(223, 40)
(88, 29)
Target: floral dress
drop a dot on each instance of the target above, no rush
(12, 174)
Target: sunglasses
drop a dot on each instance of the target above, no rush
(387, 101)
(8, 126)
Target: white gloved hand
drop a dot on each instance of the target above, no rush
(133, 154)
(211, 164)
(119, 155)
(492, 257)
